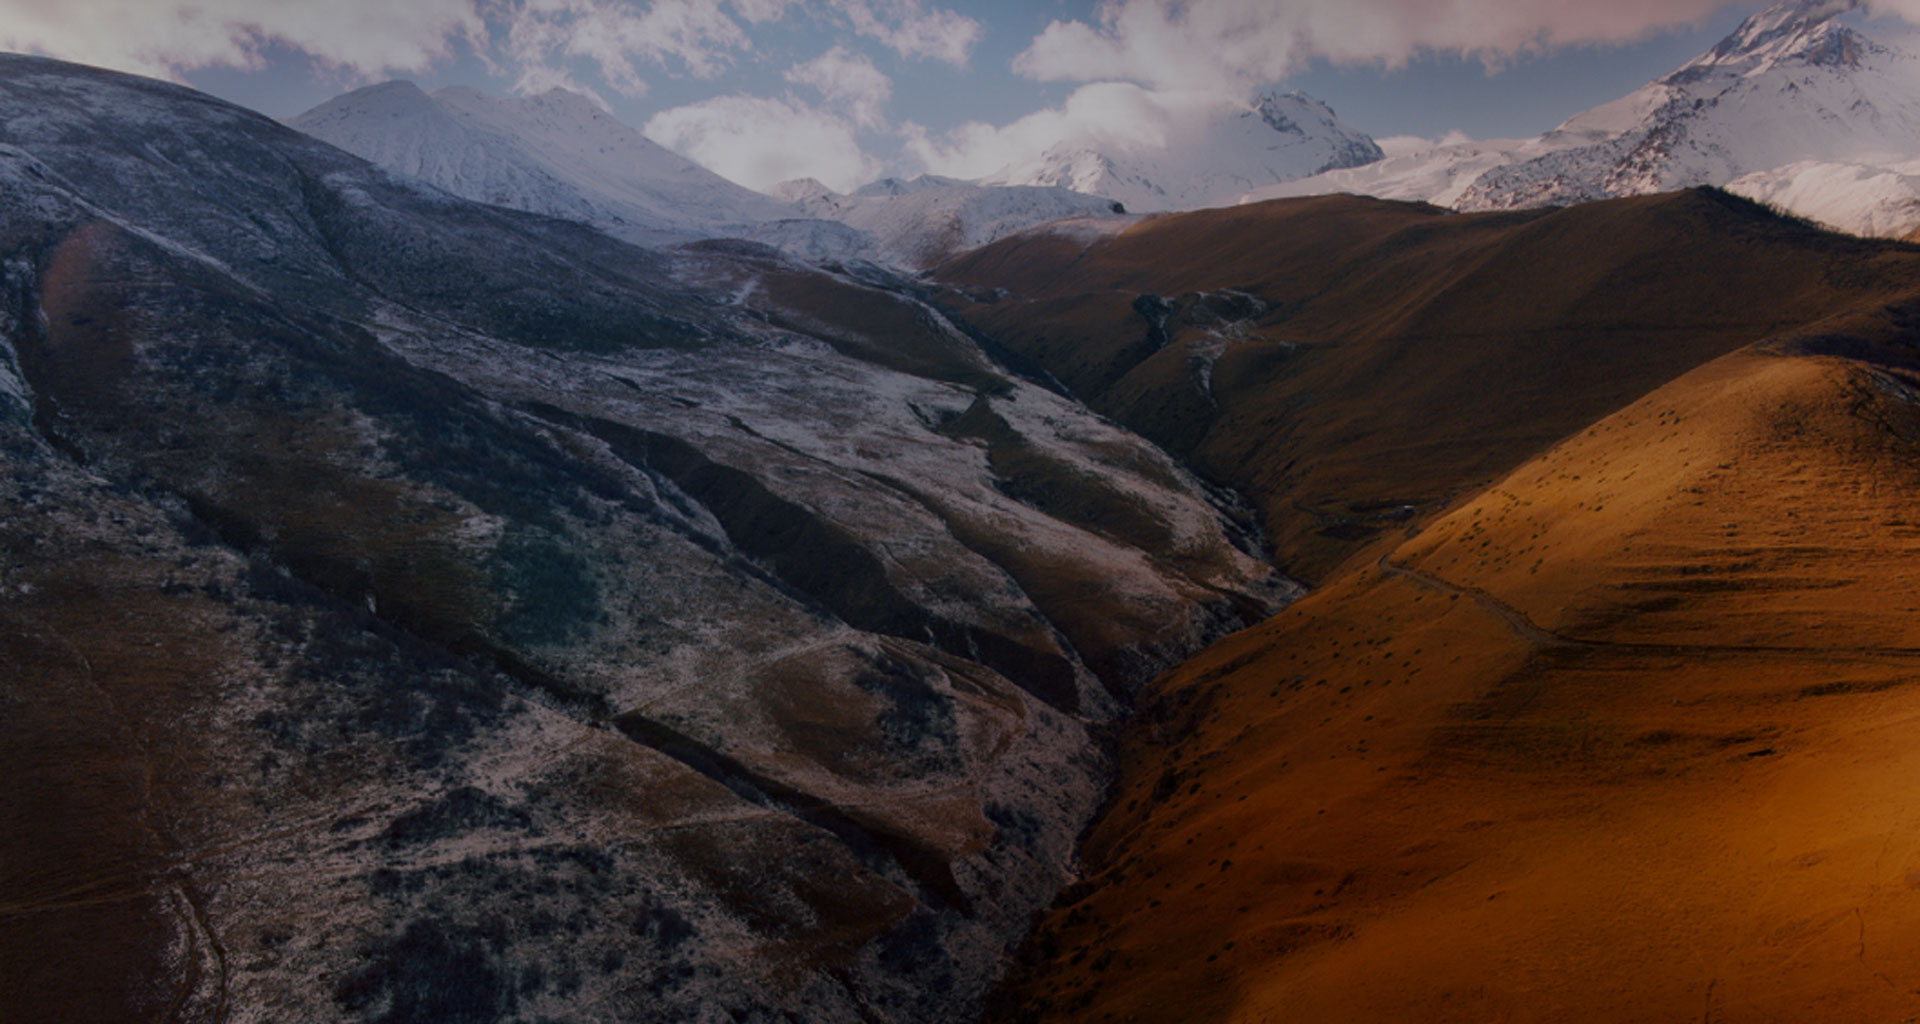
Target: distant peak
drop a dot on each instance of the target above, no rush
(900, 187)
(397, 98)
(562, 97)
(1805, 29)
(399, 89)
(798, 190)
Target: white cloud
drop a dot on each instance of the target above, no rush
(534, 39)
(760, 141)
(1113, 116)
(849, 79)
(1407, 145)
(695, 37)
(911, 29)
(1232, 45)
(1153, 68)
(162, 38)
(757, 11)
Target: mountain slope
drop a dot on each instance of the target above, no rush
(1210, 163)
(555, 154)
(416, 609)
(1333, 359)
(1619, 738)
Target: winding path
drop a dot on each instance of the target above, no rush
(1533, 633)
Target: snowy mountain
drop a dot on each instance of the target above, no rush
(556, 154)
(560, 155)
(920, 221)
(1282, 137)
(1806, 103)
(1793, 82)
(1864, 199)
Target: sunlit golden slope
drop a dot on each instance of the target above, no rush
(1630, 736)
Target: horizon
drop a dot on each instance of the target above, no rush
(851, 91)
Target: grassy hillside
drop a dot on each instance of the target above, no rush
(1352, 364)
(1626, 736)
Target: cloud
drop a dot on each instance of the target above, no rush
(911, 29)
(1115, 117)
(760, 141)
(757, 11)
(1408, 145)
(849, 79)
(167, 37)
(533, 39)
(1152, 69)
(695, 37)
(1230, 46)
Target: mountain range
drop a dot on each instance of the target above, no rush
(560, 155)
(1806, 105)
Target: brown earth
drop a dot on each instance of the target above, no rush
(1396, 356)
(1624, 737)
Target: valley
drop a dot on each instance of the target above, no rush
(463, 561)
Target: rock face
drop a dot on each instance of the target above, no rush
(1211, 162)
(417, 610)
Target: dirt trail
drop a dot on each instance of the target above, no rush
(1531, 632)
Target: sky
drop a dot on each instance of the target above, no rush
(849, 90)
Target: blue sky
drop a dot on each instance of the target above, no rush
(854, 88)
(1432, 95)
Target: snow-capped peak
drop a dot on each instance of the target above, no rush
(1805, 30)
(561, 154)
(1797, 81)
(557, 153)
(1808, 103)
(903, 186)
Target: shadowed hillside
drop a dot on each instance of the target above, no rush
(414, 610)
